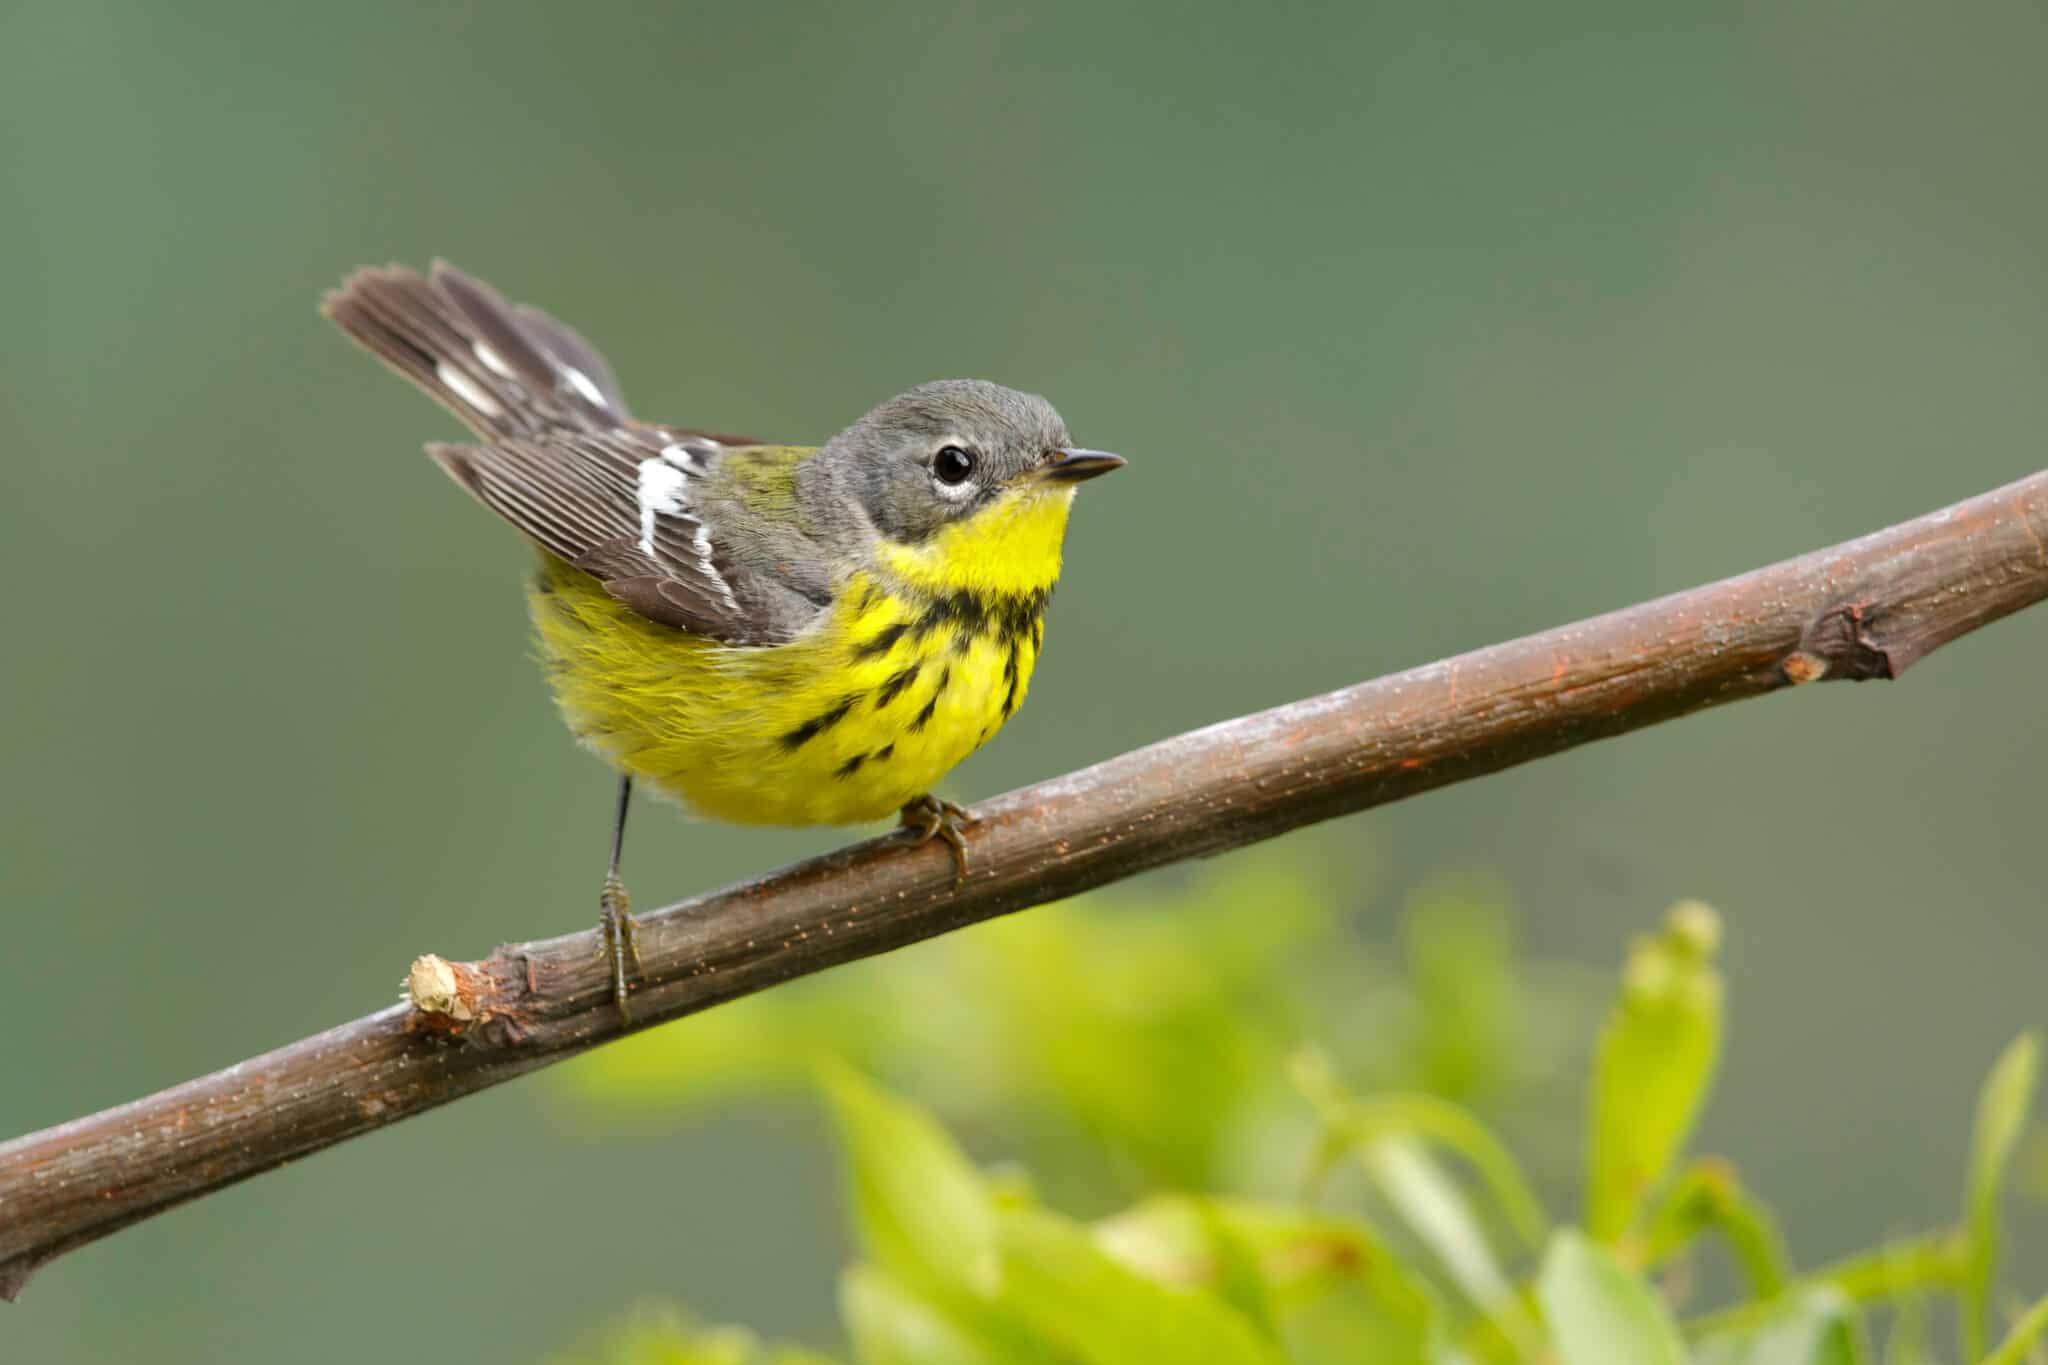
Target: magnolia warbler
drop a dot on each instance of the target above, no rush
(771, 634)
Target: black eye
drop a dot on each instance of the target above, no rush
(953, 465)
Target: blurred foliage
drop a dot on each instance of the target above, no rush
(1294, 1188)
(1207, 988)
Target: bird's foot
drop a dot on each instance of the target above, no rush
(618, 940)
(932, 817)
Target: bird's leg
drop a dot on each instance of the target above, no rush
(933, 817)
(620, 937)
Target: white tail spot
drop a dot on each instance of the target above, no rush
(581, 382)
(468, 390)
(492, 361)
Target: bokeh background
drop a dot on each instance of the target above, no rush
(1423, 326)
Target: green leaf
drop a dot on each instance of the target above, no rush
(1906, 1343)
(1708, 1197)
(1186, 1242)
(2014, 1350)
(1240, 1278)
(1304, 1253)
(1898, 1269)
(2002, 1108)
(1070, 1290)
(920, 1207)
(1383, 1134)
(1352, 1325)
(1326, 1282)
(1818, 1327)
(1903, 1270)
(1440, 1216)
(1356, 1124)
(1599, 1314)
(890, 1324)
(1655, 1060)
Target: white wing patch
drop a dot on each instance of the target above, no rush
(701, 542)
(682, 457)
(661, 493)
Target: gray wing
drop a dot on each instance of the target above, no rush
(559, 458)
(621, 507)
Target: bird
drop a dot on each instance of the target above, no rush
(768, 634)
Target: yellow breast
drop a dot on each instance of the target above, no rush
(918, 662)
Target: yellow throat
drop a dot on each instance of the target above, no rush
(1010, 547)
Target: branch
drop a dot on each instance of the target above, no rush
(1866, 609)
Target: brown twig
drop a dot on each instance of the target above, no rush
(1866, 609)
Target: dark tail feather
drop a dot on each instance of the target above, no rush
(566, 347)
(503, 370)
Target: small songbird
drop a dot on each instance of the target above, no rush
(770, 634)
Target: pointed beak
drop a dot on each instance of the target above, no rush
(1073, 464)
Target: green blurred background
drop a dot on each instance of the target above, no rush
(1423, 326)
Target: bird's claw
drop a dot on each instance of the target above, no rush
(934, 817)
(618, 940)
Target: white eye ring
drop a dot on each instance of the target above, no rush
(953, 468)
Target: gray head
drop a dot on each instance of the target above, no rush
(944, 450)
